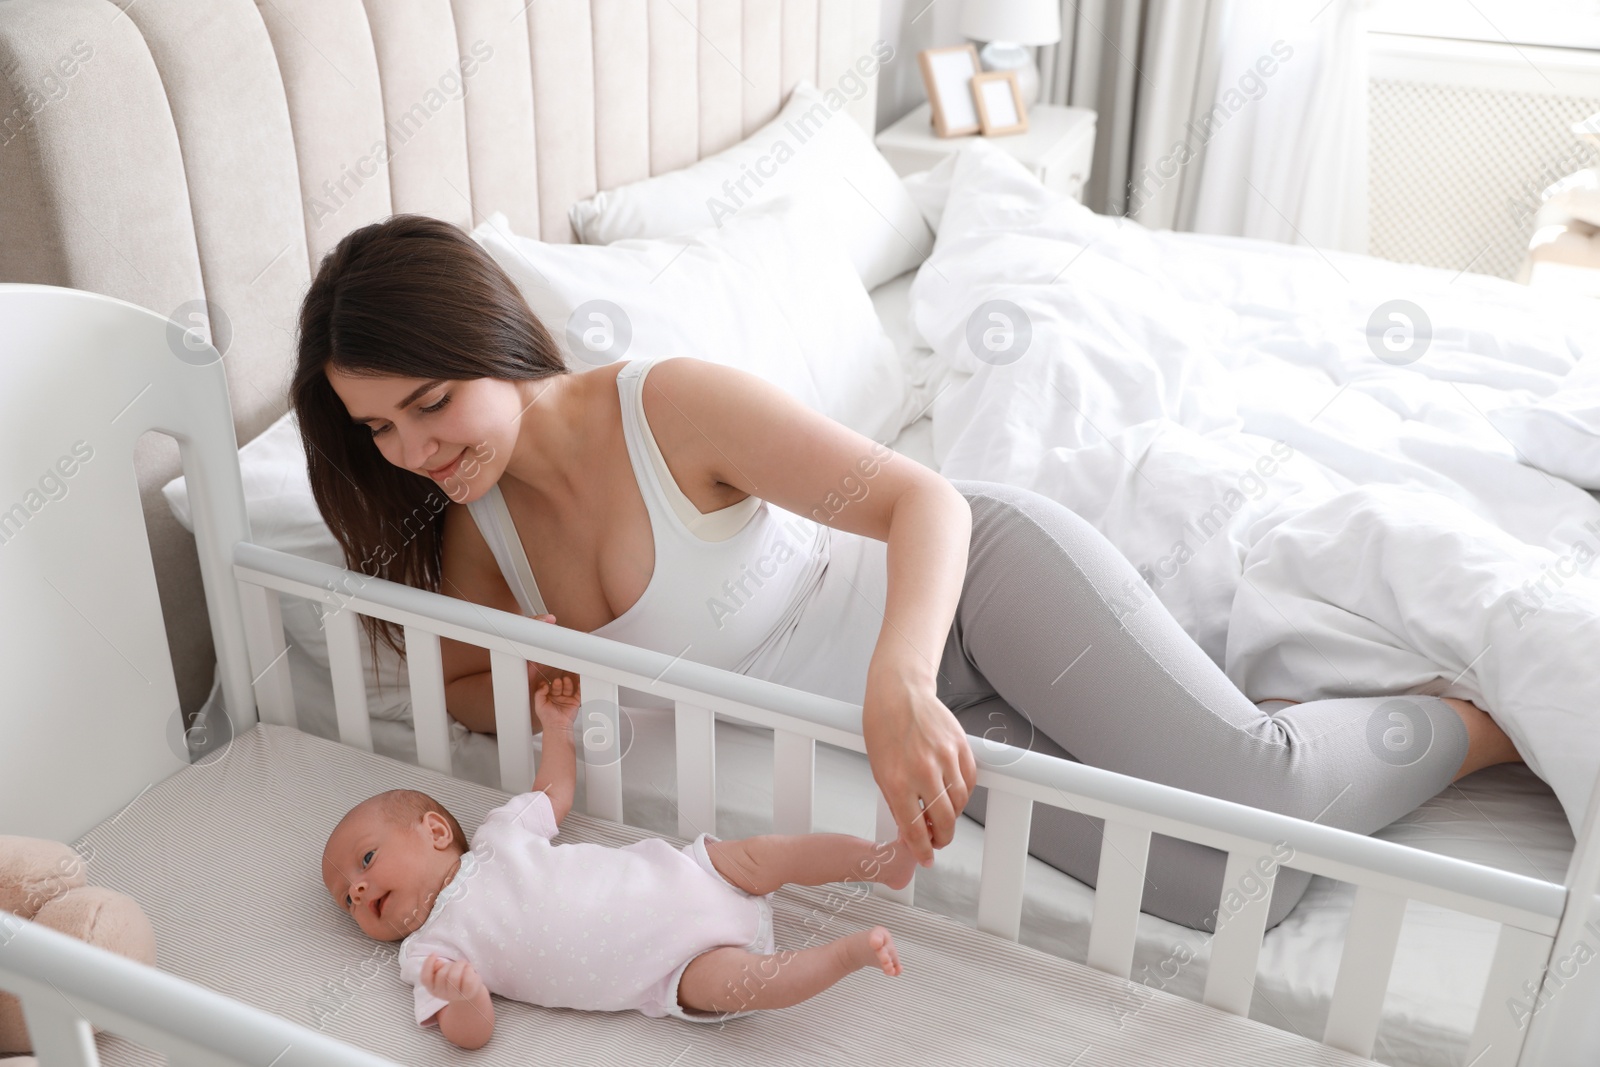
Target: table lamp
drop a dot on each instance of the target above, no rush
(1008, 27)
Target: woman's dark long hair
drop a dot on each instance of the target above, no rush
(411, 297)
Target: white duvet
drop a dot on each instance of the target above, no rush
(1328, 508)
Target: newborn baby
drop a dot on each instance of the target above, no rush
(650, 927)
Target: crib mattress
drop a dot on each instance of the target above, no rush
(1502, 817)
(224, 856)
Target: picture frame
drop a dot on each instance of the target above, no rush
(947, 76)
(998, 100)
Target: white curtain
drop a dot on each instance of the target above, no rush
(1289, 163)
(1138, 65)
(1244, 117)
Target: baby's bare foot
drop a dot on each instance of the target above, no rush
(895, 863)
(874, 948)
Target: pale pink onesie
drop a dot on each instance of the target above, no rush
(581, 925)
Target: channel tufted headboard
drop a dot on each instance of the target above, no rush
(169, 151)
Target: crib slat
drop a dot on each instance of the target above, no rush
(794, 764)
(61, 1037)
(513, 720)
(697, 769)
(1236, 947)
(269, 660)
(600, 730)
(425, 671)
(1364, 966)
(885, 829)
(1119, 890)
(349, 682)
(1006, 823)
(1519, 957)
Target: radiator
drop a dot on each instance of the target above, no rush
(1465, 137)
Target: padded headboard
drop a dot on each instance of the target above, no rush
(168, 151)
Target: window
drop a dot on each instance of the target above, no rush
(1552, 23)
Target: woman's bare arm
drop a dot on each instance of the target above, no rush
(716, 424)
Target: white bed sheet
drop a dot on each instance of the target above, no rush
(932, 380)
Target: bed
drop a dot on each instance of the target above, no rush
(1486, 867)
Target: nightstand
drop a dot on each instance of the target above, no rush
(1058, 145)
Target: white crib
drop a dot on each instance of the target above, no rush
(80, 745)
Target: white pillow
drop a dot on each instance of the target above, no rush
(810, 148)
(930, 189)
(770, 292)
(283, 515)
(1561, 433)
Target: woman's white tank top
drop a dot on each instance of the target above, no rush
(750, 588)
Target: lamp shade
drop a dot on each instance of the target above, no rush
(1019, 21)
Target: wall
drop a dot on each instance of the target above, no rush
(911, 26)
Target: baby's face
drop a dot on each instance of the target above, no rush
(385, 873)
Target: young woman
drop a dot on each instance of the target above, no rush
(694, 509)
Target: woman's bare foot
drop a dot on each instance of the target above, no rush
(1487, 744)
(873, 948)
(894, 862)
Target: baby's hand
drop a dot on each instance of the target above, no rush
(556, 702)
(452, 980)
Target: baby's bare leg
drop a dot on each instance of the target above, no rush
(761, 864)
(731, 979)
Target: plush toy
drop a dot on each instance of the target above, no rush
(44, 881)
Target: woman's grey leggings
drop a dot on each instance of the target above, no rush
(1059, 646)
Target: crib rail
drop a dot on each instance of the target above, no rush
(1257, 842)
(66, 986)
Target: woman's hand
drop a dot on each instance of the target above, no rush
(920, 756)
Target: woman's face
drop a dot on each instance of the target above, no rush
(459, 433)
